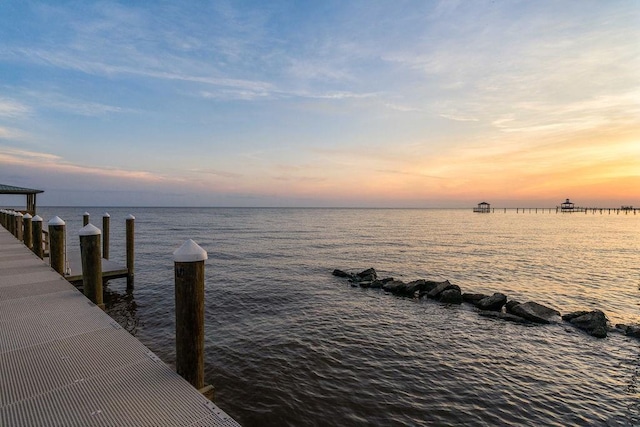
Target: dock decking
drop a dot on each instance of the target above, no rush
(64, 362)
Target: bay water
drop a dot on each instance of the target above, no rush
(288, 344)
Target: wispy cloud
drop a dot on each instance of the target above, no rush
(12, 109)
(11, 133)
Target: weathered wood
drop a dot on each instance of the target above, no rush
(189, 298)
(130, 234)
(19, 231)
(105, 235)
(91, 263)
(36, 223)
(27, 230)
(85, 219)
(57, 236)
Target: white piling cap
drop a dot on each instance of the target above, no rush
(27, 216)
(20, 214)
(189, 252)
(86, 214)
(36, 218)
(56, 220)
(106, 215)
(89, 230)
(131, 217)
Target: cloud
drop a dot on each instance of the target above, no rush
(13, 109)
(11, 133)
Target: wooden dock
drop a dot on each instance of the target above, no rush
(110, 269)
(64, 362)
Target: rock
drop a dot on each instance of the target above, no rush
(344, 274)
(503, 316)
(593, 322)
(473, 298)
(440, 287)
(395, 286)
(510, 305)
(365, 284)
(492, 303)
(376, 284)
(451, 296)
(367, 275)
(633, 331)
(535, 312)
(387, 280)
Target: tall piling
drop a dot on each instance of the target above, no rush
(130, 236)
(57, 236)
(189, 295)
(85, 219)
(19, 228)
(36, 226)
(105, 235)
(91, 263)
(27, 231)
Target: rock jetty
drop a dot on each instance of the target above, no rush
(496, 306)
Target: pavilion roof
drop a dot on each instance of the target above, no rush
(10, 189)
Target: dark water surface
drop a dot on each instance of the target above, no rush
(289, 344)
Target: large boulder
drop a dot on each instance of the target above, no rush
(395, 286)
(440, 287)
(368, 275)
(344, 274)
(451, 296)
(503, 316)
(510, 305)
(592, 322)
(493, 303)
(473, 298)
(537, 313)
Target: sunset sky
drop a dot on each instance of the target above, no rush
(321, 103)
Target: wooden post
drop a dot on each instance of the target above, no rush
(189, 294)
(130, 232)
(36, 223)
(91, 263)
(105, 235)
(19, 231)
(12, 223)
(57, 236)
(85, 219)
(27, 230)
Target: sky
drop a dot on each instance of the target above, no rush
(321, 103)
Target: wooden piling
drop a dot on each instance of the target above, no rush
(36, 226)
(19, 229)
(85, 219)
(106, 218)
(27, 232)
(130, 234)
(57, 236)
(189, 295)
(91, 263)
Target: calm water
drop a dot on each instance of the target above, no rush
(289, 344)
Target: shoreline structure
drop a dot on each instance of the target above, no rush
(48, 326)
(496, 306)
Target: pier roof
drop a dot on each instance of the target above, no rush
(10, 189)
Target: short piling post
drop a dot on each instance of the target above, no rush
(105, 235)
(36, 226)
(91, 263)
(130, 233)
(57, 236)
(27, 231)
(85, 219)
(189, 294)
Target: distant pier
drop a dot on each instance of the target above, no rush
(566, 207)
